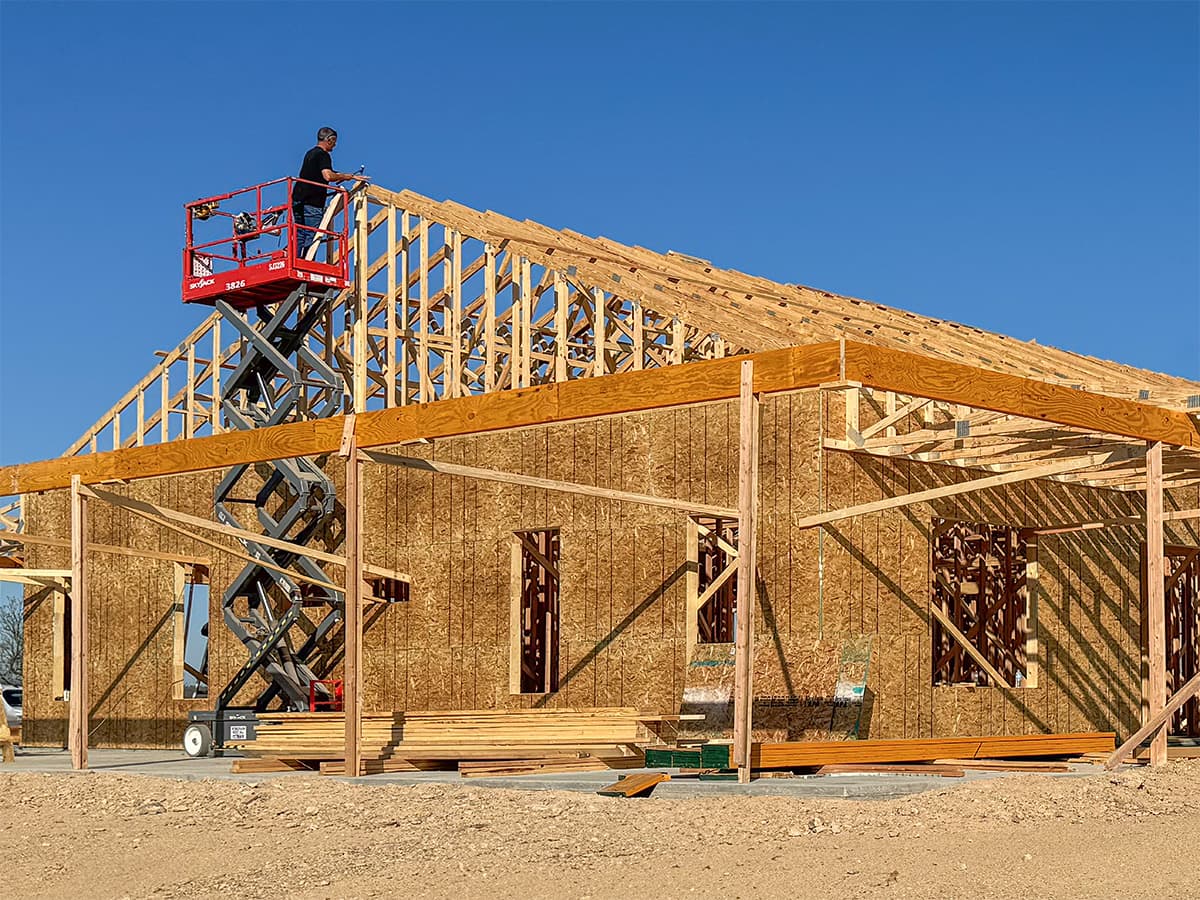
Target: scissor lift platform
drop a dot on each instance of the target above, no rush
(229, 255)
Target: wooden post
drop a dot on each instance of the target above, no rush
(600, 333)
(743, 694)
(1155, 599)
(389, 379)
(452, 376)
(352, 676)
(405, 315)
(139, 438)
(636, 323)
(77, 731)
(217, 350)
(693, 589)
(189, 416)
(561, 328)
(489, 317)
(678, 339)
(425, 386)
(361, 305)
(526, 323)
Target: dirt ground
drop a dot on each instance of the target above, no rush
(1133, 833)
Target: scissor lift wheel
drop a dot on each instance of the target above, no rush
(197, 740)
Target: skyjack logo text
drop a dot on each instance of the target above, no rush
(203, 282)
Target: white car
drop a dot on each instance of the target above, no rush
(10, 696)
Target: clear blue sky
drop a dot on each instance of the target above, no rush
(1028, 168)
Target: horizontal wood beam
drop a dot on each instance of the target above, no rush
(43, 578)
(788, 369)
(1177, 515)
(568, 487)
(37, 539)
(704, 381)
(1089, 525)
(920, 376)
(952, 490)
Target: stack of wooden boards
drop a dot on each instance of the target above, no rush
(476, 742)
(946, 756)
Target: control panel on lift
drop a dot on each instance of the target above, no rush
(241, 247)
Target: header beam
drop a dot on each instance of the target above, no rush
(793, 368)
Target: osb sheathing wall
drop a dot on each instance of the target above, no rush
(131, 626)
(623, 580)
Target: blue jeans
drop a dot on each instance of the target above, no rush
(309, 216)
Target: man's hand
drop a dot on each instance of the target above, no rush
(360, 177)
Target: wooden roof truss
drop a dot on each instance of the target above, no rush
(450, 302)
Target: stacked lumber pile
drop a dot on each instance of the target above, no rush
(935, 756)
(477, 742)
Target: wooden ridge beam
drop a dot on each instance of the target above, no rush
(738, 301)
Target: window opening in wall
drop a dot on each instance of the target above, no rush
(62, 646)
(716, 583)
(980, 585)
(389, 590)
(1182, 628)
(533, 664)
(191, 631)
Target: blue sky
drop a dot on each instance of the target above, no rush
(1027, 168)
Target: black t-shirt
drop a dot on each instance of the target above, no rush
(315, 162)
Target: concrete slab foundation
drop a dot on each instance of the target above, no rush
(174, 764)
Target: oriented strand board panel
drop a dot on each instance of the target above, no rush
(623, 584)
(132, 629)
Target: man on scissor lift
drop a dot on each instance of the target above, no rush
(308, 200)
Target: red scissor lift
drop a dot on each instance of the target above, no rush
(241, 247)
(241, 257)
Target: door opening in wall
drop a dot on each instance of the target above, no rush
(190, 679)
(62, 646)
(534, 623)
(716, 561)
(1182, 620)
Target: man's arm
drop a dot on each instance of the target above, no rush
(332, 177)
